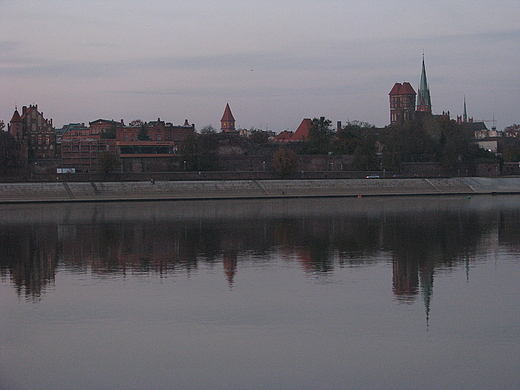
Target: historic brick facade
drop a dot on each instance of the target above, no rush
(402, 103)
(152, 141)
(35, 133)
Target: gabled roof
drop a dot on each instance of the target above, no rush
(284, 136)
(478, 125)
(402, 89)
(228, 116)
(16, 116)
(302, 132)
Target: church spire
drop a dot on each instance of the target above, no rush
(423, 96)
(465, 114)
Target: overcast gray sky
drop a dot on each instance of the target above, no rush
(275, 62)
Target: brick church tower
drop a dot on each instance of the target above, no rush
(402, 103)
(227, 123)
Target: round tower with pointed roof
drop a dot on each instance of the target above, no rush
(227, 123)
(16, 125)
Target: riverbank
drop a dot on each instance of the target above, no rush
(250, 189)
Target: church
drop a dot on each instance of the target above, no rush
(403, 100)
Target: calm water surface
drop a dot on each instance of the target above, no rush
(371, 293)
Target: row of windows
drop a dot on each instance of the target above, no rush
(397, 116)
(40, 139)
(42, 147)
(88, 147)
(133, 137)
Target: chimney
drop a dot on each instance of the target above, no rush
(338, 126)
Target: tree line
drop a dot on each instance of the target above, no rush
(439, 140)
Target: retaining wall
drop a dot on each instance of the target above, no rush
(161, 190)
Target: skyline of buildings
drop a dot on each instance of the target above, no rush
(405, 104)
(272, 75)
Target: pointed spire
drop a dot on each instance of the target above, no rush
(16, 116)
(423, 96)
(465, 114)
(227, 123)
(228, 116)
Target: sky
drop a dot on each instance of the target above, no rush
(274, 62)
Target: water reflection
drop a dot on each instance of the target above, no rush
(419, 236)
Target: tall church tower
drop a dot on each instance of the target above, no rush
(402, 103)
(424, 103)
(227, 123)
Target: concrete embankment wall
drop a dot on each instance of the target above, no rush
(235, 189)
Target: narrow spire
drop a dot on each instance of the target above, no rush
(465, 114)
(423, 96)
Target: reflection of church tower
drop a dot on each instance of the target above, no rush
(426, 276)
(424, 103)
(230, 267)
(405, 278)
(227, 123)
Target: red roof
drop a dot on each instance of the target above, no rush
(284, 136)
(16, 117)
(228, 116)
(402, 89)
(302, 132)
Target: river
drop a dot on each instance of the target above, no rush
(370, 293)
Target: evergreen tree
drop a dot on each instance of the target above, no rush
(285, 161)
(320, 136)
(108, 162)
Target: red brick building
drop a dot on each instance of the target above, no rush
(149, 146)
(34, 133)
(137, 146)
(81, 145)
(402, 103)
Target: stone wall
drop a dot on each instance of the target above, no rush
(243, 189)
